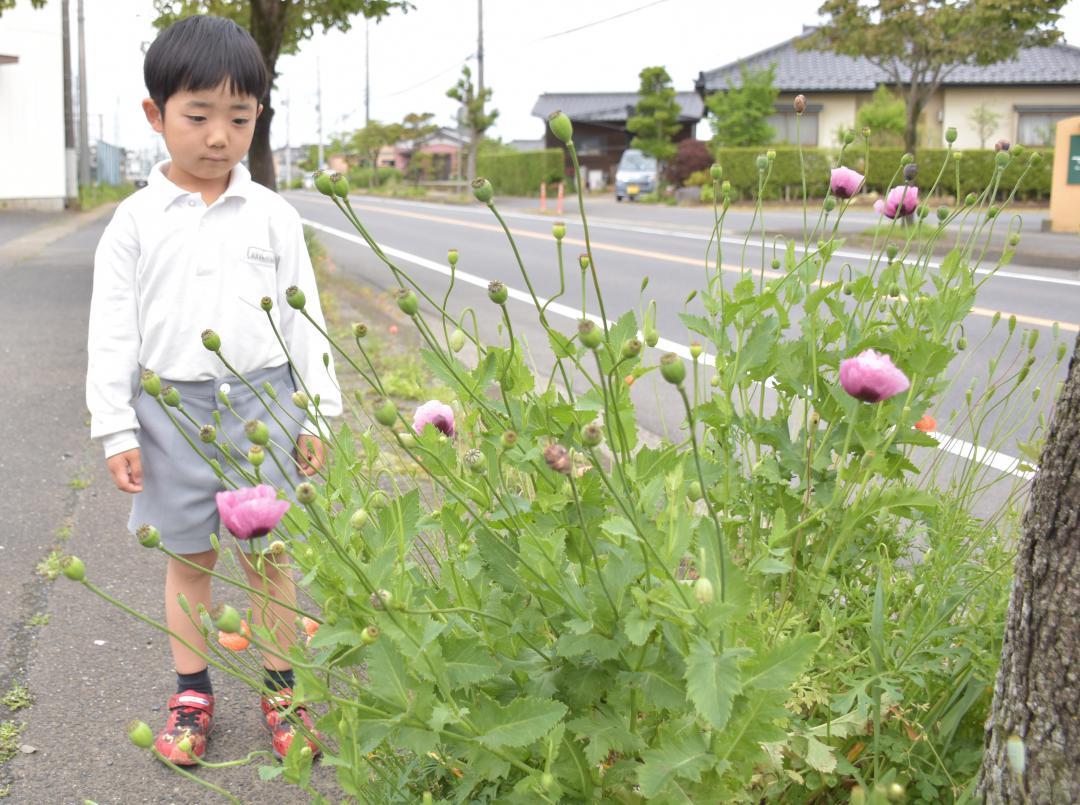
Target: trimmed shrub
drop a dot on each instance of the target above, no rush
(361, 177)
(692, 156)
(520, 174)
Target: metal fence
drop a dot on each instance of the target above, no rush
(107, 163)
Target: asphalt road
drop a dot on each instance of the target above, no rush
(670, 250)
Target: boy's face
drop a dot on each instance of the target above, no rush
(206, 132)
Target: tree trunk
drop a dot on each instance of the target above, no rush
(268, 19)
(474, 148)
(911, 130)
(1037, 695)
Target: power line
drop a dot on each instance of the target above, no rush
(439, 74)
(599, 22)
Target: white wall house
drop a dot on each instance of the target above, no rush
(32, 169)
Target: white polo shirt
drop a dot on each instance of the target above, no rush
(169, 267)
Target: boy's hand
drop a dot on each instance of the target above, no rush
(310, 454)
(126, 470)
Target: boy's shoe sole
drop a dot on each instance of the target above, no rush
(191, 716)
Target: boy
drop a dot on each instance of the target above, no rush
(198, 248)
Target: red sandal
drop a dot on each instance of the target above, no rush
(280, 718)
(191, 715)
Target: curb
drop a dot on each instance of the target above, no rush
(30, 244)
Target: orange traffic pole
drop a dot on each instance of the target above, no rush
(543, 196)
(558, 204)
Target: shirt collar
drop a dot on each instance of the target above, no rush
(168, 191)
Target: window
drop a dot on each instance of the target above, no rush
(787, 130)
(1036, 125)
(589, 145)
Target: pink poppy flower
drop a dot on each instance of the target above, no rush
(872, 377)
(901, 201)
(252, 511)
(435, 413)
(845, 182)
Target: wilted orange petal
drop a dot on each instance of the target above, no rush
(233, 641)
(926, 424)
(630, 380)
(393, 329)
(310, 626)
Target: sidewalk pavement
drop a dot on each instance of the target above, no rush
(92, 668)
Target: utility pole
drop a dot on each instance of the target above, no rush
(367, 72)
(84, 117)
(71, 178)
(318, 105)
(480, 51)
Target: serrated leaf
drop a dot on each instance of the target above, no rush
(820, 756)
(467, 662)
(686, 758)
(712, 680)
(781, 666)
(605, 731)
(519, 723)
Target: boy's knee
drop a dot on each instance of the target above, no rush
(205, 560)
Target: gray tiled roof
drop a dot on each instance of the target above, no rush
(809, 70)
(608, 107)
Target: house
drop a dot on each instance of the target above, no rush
(1027, 94)
(599, 118)
(33, 171)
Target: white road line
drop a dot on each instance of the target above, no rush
(697, 236)
(958, 447)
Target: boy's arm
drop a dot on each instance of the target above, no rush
(306, 345)
(112, 374)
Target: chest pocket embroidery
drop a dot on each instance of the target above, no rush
(261, 257)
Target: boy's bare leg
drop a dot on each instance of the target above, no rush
(275, 581)
(195, 585)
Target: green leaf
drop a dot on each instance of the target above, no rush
(780, 667)
(712, 680)
(519, 723)
(820, 756)
(467, 662)
(605, 731)
(686, 756)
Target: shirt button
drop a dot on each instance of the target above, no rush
(191, 203)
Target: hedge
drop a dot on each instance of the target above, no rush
(976, 168)
(361, 177)
(520, 174)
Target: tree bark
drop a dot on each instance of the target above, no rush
(268, 19)
(1037, 694)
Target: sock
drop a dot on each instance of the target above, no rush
(277, 680)
(199, 681)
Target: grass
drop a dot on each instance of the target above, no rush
(9, 738)
(95, 195)
(899, 232)
(79, 483)
(18, 697)
(40, 619)
(49, 567)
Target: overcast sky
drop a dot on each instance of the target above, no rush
(530, 47)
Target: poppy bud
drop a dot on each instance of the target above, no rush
(651, 336)
(1014, 240)
(378, 500)
(257, 432)
(256, 455)
(907, 159)
(295, 297)
(483, 190)
(958, 156)
(385, 412)
(269, 390)
(457, 340)
(211, 340)
(849, 136)
(358, 519)
(407, 301)
(961, 344)
(73, 568)
(558, 230)
(716, 172)
(583, 261)
(694, 491)
(762, 162)
(942, 213)
(799, 104)
(305, 493)
(323, 183)
(140, 734)
(703, 591)
(497, 292)
(866, 132)
(300, 399)
(171, 397)
(672, 368)
(970, 199)
(775, 263)
(590, 334)
(829, 203)
(1036, 159)
(148, 536)
(892, 250)
(1001, 159)
(561, 127)
(359, 329)
(922, 210)
(992, 212)
(770, 155)
(266, 303)
(1001, 145)
(631, 348)
(894, 291)
(226, 618)
(911, 170)
(1017, 150)
(591, 435)
(695, 349)
(151, 383)
(950, 135)
(341, 185)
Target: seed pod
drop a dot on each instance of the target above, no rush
(452, 257)
(1001, 159)
(483, 190)
(457, 340)
(226, 618)
(716, 172)
(631, 348)
(256, 455)
(762, 163)
(970, 199)
(829, 204)
(170, 396)
(891, 251)
(340, 185)
(140, 734)
(508, 439)
(942, 213)
(992, 212)
(266, 303)
(695, 349)
(369, 635)
(703, 591)
(907, 159)
(323, 183)
(592, 435)
(799, 104)
(950, 135)
(558, 230)
(211, 340)
(474, 459)
(151, 383)
(358, 519)
(300, 400)
(561, 127)
(583, 262)
(295, 297)
(305, 493)
(590, 334)
(497, 292)
(1036, 159)
(257, 432)
(407, 301)
(694, 491)
(385, 412)
(148, 536)
(770, 155)
(672, 368)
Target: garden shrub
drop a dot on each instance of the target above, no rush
(520, 174)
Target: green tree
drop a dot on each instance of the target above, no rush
(278, 27)
(473, 114)
(885, 115)
(919, 43)
(415, 128)
(740, 114)
(655, 121)
(370, 140)
(985, 122)
(6, 4)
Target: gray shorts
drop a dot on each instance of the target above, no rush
(179, 485)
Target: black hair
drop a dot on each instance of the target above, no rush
(200, 53)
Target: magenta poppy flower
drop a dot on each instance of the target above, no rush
(434, 413)
(872, 377)
(845, 182)
(251, 512)
(901, 201)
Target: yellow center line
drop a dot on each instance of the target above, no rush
(1037, 321)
